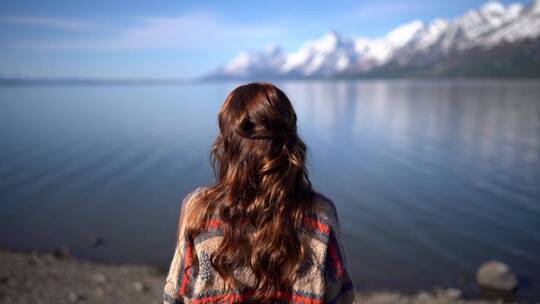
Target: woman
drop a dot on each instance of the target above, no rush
(260, 234)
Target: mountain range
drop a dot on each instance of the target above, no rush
(494, 40)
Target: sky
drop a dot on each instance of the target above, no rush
(183, 38)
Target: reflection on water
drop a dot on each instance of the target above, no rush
(430, 178)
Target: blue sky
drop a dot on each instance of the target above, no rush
(183, 39)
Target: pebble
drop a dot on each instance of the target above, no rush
(75, 297)
(496, 275)
(453, 293)
(100, 278)
(139, 286)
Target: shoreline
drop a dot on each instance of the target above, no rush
(31, 277)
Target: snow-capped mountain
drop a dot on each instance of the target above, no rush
(488, 35)
(267, 62)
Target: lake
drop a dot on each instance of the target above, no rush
(430, 178)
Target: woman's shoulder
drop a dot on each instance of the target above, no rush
(192, 196)
(197, 191)
(322, 220)
(325, 209)
(187, 202)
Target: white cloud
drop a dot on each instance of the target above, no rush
(189, 31)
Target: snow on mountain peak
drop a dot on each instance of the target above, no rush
(404, 33)
(514, 10)
(333, 36)
(331, 41)
(535, 8)
(274, 49)
(492, 8)
(239, 64)
(247, 63)
(329, 54)
(432, 33)
(336, 54)
(497, 14)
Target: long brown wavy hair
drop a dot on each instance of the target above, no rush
(262, 190)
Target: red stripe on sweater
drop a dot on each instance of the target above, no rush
(187, 263)
(213, 224)
(317, 225)
(335, 258)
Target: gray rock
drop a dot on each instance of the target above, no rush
(497, 276)
(453, 293)
(75, 297)
(139, 286)
(100, 278)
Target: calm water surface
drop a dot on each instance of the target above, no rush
(430, 178)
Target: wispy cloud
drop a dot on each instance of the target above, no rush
(188, 31)
(63, 24)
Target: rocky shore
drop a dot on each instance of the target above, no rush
(49, 278)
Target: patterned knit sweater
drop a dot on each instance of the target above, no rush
(323, 277)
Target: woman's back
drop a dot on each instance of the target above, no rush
(260, 233)
(322, 278)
